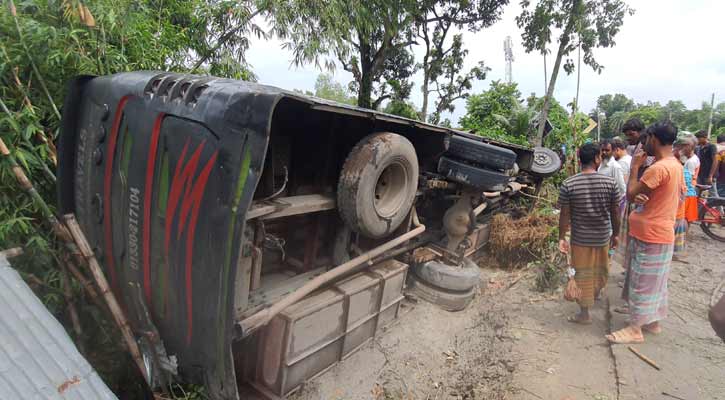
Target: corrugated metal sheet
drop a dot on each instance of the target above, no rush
(38, 360)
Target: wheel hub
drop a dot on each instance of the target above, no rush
(390, 190)
(542, 159)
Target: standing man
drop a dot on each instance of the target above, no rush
(623, 158)
(632, 130)
(589, 203)
(708, 159)
(651, 233)
(610, 167)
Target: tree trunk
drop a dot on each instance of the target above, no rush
(539, 141)
(426, 78)
(365, 85)
(424, 107)
(563, 43)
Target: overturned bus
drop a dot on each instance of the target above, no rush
(210, 202)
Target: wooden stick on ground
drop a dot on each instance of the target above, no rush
(102, 283)
(672, 395)
(644, 358)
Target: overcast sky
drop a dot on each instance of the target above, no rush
(669, 49)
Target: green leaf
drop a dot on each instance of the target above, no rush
(29, 130)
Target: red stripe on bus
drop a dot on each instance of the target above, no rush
(148, 195)
(110, 151)
(197, 194)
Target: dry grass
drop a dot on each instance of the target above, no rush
(514, 242)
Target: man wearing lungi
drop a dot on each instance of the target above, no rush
(589, 203)
(651, 233)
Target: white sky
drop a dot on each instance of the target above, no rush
(669, 49)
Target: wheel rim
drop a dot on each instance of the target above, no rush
(391, 189)
(542, 159)
(715, 231)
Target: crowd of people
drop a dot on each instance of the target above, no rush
(640, 191)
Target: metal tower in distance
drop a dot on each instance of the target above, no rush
(509, 57)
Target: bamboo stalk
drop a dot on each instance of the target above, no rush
(102, 283)
(81, 278)
(25, 183)
(60, 231)
(10, 253)
(48, 173)
(14, 13)
(72, 311)
(26, 99)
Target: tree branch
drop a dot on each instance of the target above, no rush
(379, 57)
(225, 38)
(379, 100)
(454, 20)
(351, 68)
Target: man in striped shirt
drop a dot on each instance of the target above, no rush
(589, 203)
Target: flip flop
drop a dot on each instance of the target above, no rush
(655, 331)
(621, 310)
(623, 336)
(575, 320)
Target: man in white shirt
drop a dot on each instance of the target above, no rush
(610, 167)
(619, 149)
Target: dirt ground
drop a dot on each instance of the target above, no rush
(515, 343)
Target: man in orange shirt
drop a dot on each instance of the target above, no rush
(651, 233)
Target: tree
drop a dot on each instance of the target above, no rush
(674, 111)
(443, 59)
(398, 68)
(43, 45)
(222, 35)
(613, 108)
(609, 104)
(362, 36)
(490, 113)
(450, 84)
(586, 23)
(648, 113)
(327, 88)
(401, 108)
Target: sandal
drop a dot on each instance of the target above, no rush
(574, 319)
(624, 336)
(654, 328)
(621, 310)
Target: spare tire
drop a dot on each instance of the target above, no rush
(460, 278)
(473, 176)
(377, 184)
(545, 162)
(481, 153)
(448, 300)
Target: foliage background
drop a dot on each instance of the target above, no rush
(45, 43)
